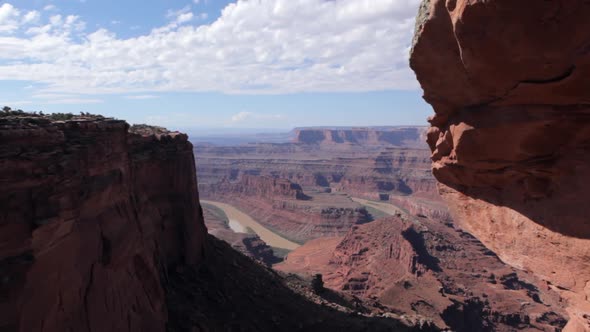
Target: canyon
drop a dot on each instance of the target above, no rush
(101, 229)
(406, 253)
(304, 190)
(477, 223)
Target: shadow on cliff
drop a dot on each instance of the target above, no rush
(230, 292)
(534, 161)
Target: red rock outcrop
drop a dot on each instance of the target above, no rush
(264, 187)
(425, 268)
(508, 81)
(90, 218)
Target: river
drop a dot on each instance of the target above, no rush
(239, 222)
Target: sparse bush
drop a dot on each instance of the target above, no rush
(147, 130)
(60, 116)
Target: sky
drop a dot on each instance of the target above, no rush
(214, 63)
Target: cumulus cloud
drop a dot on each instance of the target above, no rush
(263, 46)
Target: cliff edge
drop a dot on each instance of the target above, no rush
(511, 134)
(91, 218)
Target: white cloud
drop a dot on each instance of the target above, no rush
(49, 7)
(8, 18)
(241, 117)
(245, 116)
(31, 17)
(264, 46)
(182, 18)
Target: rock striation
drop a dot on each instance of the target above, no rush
(376, 136)
(511, 133)
(425, 268)
(91, 218)
(399, 175)
(284, 208)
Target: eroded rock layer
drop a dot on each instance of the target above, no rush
(377, 172)
(386, 136)
(286, 209)
(90, 218)
(422, 267)
(511, 136)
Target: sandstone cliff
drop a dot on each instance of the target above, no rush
(392, 136)
(508, 81)
(90, 218)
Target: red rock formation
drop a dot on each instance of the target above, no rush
(265, 187)
(511, 134)
(429, 269)
(283, 207)
(401, 175)
(90, 218)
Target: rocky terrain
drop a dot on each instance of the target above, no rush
(101, 230)
(286, 209)
(422, 267)
(86, 229)
(319, 173)
(511, 133)
(228, 292)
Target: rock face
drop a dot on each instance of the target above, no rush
(511, 134)
(394, 136)
(264, 187)
(426, 268)
(90, 219)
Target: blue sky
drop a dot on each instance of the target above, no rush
(213, 63)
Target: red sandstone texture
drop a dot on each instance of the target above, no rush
(511, 136)
(90, 218)
(425, 268)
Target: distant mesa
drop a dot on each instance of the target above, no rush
(412, 137)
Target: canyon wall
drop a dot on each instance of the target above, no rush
(91, 217)
(402, 176)
(508, 81)
(283, 207)
(395, 136)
